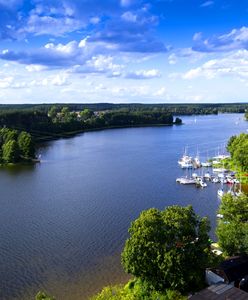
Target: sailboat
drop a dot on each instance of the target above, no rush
(186, 161)
(196, 160)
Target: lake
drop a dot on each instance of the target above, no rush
(63, 222)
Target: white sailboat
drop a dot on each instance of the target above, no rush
(186, 161)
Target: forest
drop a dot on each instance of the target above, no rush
(15, 146)
(61, 121)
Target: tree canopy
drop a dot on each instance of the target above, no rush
(232, 229)
(238, 148)
(26, 144)
(43, 296)
(136, 290)
(168, 249)
(15, 146)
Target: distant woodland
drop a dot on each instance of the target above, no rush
(45, 121)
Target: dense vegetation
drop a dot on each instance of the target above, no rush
(168, 249)
(136, 290)
(43, 296)
(238, 148)
(175, 109)
(232, 229)
(60, 121)
(15, 146)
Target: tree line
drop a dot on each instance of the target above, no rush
(58, 120)
(15, 146)
(176, 109)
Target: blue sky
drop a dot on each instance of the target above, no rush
(123, 51)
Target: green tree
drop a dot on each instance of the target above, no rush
(52, 113)
(10, 151)
(136, 290)
(66, 116)
(43, 296)
(168, 249)
(86, 114)
(232, 229)
(26, 144)
(8, 134)
(178, 121)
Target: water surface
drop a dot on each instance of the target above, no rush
(63, 222)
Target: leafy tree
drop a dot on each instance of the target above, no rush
(52, 113)
(10, 151)
(232, 229)
(168, 249)
(7, 134)
(26, 144)
(43, 296)
(178, 121)
(86, 114)
(240, 155)
(136, 290)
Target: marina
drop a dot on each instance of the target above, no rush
(209, 172)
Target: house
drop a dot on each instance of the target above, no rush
(229, 281)
(233, 271)
(220, 292)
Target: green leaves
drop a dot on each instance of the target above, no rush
(43, 296)
(26, 144)
(15, 146)
(168, 249)
(232, 230)
(136, 290)
(238, 148)
(10, 151)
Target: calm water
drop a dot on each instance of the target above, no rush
(63, 222)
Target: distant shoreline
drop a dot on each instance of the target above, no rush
(70, 134)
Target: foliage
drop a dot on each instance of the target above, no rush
(43, 296)
(168, 249)
(15, 146)
(86, 114)
(178, 121)
(232, 229)
(176, 109)
(26, 145)
(238, 148)
(10, 152)
(52, 113)
(136, 290)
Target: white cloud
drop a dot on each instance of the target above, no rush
(143, 74)
(103, 63)
(60, 79)
(35, 68)
(189, 55)
(235, 39)
(160, 92)
(6, 82)
(129, 17)
(172, 59)
(235, 65)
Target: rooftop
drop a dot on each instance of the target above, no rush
(220, 292)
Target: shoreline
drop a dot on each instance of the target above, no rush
(70, 134)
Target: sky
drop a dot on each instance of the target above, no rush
(123, 51)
